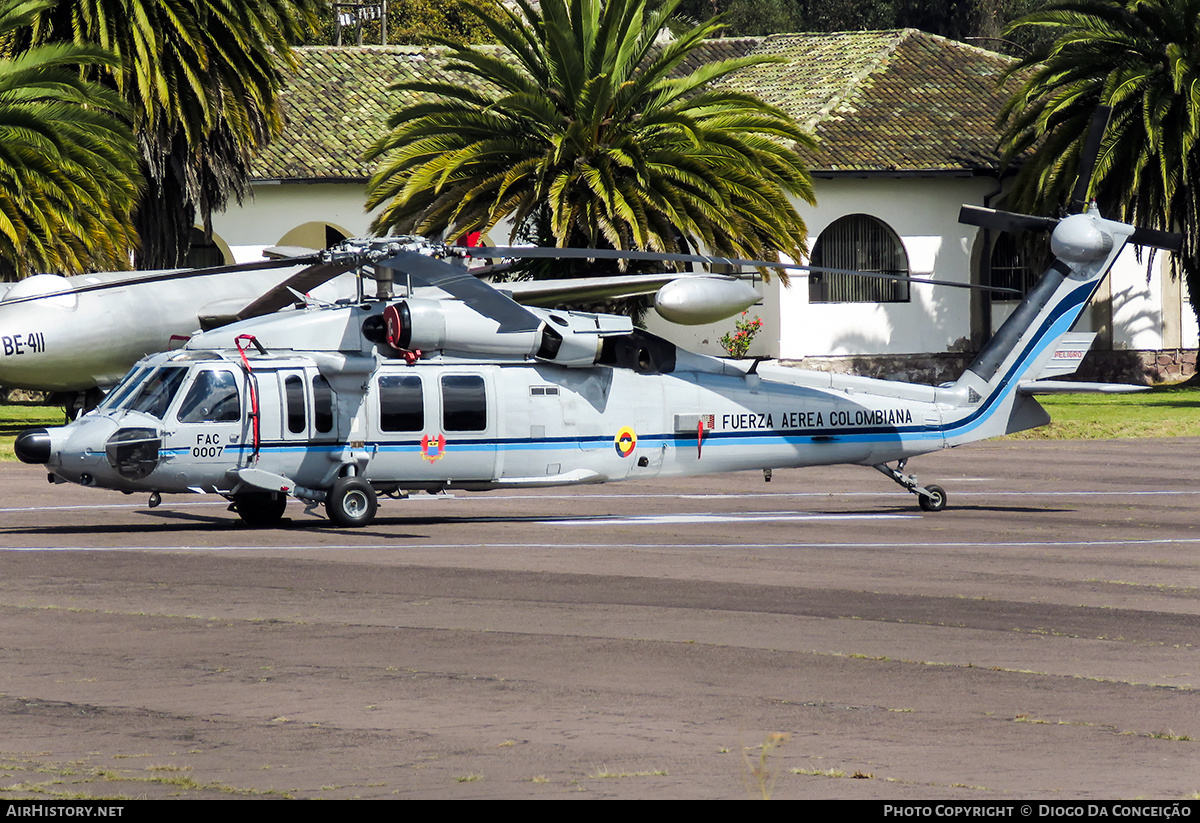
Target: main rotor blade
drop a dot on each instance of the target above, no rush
(458, 282)
(669, 257)
(1087, 159)
(302, 281)
(162, 276)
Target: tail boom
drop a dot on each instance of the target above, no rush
(988, 396)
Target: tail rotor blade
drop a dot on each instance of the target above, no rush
(970, 215)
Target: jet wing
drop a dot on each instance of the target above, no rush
(551, 293)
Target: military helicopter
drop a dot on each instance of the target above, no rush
(452, 384)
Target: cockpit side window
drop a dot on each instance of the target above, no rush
(158, 391)
(213, 398)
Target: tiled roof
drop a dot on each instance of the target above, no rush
(336, 105)
(878, 102)
(891, 101)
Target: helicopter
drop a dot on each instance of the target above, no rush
(453, 384)
(340, 404)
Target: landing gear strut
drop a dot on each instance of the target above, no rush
(930, 498)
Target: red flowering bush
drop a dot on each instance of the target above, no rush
(738, 343)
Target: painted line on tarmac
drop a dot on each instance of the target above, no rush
(110, 507)
(479, 498)
(740, 517)
(375, 547)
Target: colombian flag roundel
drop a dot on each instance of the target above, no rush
(625, 441)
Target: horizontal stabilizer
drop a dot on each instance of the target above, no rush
(1165, 240)
(1010, 221)
(1028, 387)
(1068, 354)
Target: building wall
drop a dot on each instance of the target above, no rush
(1150, 309)
(277, 209)
(1143, 315)
(924, 213)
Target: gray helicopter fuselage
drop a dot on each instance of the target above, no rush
(445, 422)
(341, 403)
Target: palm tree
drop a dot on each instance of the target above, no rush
(68, 160)
(202, 79)
(1142, 58)
(582, 117)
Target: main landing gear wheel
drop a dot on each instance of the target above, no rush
(260, 510)
(351, 502)
(935, 501)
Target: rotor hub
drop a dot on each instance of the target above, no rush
(1079, 239)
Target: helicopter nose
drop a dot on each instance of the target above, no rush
(33, 446)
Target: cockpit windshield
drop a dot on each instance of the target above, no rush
(158, 391)
(121, 391)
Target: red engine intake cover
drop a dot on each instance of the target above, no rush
(397, 326)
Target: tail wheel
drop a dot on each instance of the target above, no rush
(352, 502)
(935, 501)
(260, 510)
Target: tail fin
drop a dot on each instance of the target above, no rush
(1085, 247)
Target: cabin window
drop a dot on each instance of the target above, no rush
(401, 403)
(293, 389)
(322, 404)
(464, 403)
(213, 398)
(158, 391)
(862, 243)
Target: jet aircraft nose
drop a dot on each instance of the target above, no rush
(33, 446)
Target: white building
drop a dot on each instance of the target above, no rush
(907, 133)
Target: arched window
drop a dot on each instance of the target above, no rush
(1015, 263)
(862, 243)
(313, 235)
(204, 254)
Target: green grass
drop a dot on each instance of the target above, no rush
(14, 417)
(1166, 412)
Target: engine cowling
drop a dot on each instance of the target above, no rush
(566, 338)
